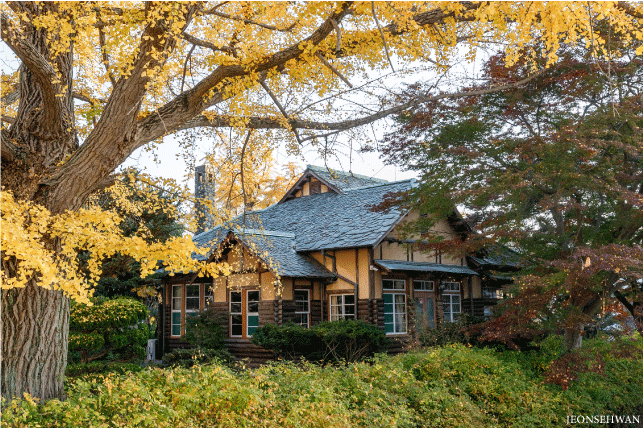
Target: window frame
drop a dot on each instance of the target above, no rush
(395, 313)
(235, 313)
(342, 305)
(450, 304)
(394, 280)
(305, 312)
(424, 281)
(173, 309)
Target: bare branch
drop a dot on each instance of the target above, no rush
(629, 9)
(41, 69)
(271, 123)
(333, 69)
(185, 66)
(382, 35)
(280, 107)
(85, 98)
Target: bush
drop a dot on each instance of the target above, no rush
(205, 330)
(101, 367)
(108, 327)
(197, 356)
(289, 341)
(446, 333)
(330, 341)
(454, 386)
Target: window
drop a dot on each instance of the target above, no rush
(450, 287)
(236, 314)
(451, 306)
(394, 313)
(176, 309)
(252, 312)
(342, 306)
(192, 297)
(393, 284)
(302, 307)
(422, 285)
(490, 293)
(244, 313)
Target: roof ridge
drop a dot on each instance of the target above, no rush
(280, 233)
(345, 173)
(412, 180)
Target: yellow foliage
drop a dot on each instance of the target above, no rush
(30, 236)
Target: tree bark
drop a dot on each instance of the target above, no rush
(573, 337)
(35, 329)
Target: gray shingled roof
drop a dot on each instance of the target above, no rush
(276, 248)
(326, 221)
(424, 267)
(344, 180)
(497, 257)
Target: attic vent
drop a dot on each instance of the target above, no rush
(315, 187)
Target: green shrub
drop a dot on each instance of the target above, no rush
(289, 341)
(108, 327)
(197, 356)
(350, 340)
(454, 386)
(330, 341)
(205, 330)
(101, 367)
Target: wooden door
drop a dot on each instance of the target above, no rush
(424, 309)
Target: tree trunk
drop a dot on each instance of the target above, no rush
(35, 329)
(573, 338)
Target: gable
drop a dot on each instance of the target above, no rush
(321, 180)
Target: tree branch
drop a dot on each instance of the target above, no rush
(333, 69)
(270, 123)
(192, 102)
(215, 12)
(41, 69)
(280, 107)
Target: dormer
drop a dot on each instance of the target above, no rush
(317, 179)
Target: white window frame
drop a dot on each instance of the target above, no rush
(451, 287)
(240, 313)
(341, 304)
(450, 314)
(175, 310)
(198, 298)
(427, 285)
(395, 314)
(393, 284)
(307, 311)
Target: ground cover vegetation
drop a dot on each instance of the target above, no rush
(97, 81)
(551, 170)
(454, 385)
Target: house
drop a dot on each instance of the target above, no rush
(321, 253)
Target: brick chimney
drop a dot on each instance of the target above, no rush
(203, 190)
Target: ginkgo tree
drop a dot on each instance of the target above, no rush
(97, 81)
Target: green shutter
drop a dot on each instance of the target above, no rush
(176, 323)
(388, 313)
(253, 323)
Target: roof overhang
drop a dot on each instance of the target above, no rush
(398, 265)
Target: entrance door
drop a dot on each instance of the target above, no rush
(424, 310)
(244, 312)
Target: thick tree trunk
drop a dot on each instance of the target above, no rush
(35, 329)
(573, 337)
